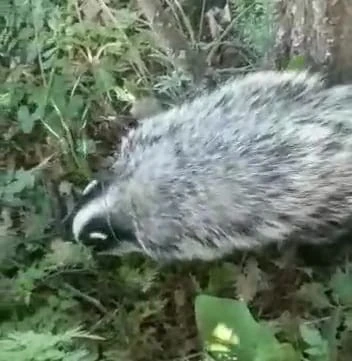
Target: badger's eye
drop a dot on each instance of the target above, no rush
(98, 235)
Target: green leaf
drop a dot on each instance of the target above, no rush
(330, 331)
(58, 91)
(280, 352)
(311, 335)
(341, 285)
(75, 106)
(248, 282)
(222, 277)
(296, 63)
(314, 293)
(25, 119)
(318, 347)
(23, 179)
(226, 326)
(32, 51)
(315, 351)
(30, 345)
(38, 98)
(103, 79)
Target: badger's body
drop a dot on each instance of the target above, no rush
(264, 158)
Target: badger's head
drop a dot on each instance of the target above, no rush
(100, 222)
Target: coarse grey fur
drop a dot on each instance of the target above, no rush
(263, 159)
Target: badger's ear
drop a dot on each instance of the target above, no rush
(90, 186)
(99, 182)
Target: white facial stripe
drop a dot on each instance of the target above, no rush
(98, 235)
(89, 186)
(93, 209)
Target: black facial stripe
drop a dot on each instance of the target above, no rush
(124, 234)
(103, 182)
(116, 228)
(113, 232)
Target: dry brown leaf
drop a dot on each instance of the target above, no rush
(247, 283)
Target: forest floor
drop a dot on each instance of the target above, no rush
(69, 74)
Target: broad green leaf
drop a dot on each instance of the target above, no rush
(5, 8)
(38, 15)
(314, 293)
(222, 276)
(23, 179)
(103, 79)
(32, 51)
(317, 349)
(39, 98)
(296, 63)
(280, 352)
(75, 106)
(341, 284)
(58, 92)
(26, 33)
(126, 17)
(330, 330)
(25, 119)
(248, 281)
(5, 99)
(227, 326)
(348, 320)
(311, 335)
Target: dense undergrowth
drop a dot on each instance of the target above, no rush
(69, 72)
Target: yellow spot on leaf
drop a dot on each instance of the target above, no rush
(225, 335)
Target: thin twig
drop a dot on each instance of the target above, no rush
(173, 40)
(87, 298)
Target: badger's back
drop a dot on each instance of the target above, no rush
(264, 158)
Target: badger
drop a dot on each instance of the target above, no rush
(265, 158)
